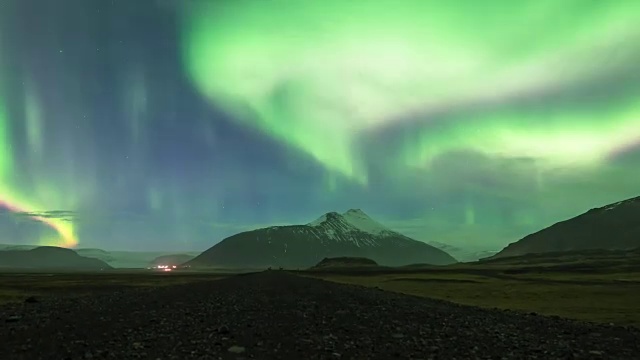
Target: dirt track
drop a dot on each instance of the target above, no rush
(274, 315)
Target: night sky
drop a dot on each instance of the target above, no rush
(169, 125)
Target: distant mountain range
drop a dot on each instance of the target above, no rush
(131, 259)
(174, 259)
(463, 255)
(354, 234)
(49, 257)
(116, 259)
(612, 227)
(351, 234)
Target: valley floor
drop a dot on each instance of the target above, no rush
(277, 315)
(604, 297)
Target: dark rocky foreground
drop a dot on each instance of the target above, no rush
(274, 315)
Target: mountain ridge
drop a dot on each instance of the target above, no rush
(49, 257)
(610, 227)
(351, 234)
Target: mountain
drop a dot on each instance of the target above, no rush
(16, 247)
(611, 227)
(173, 259)
(96, 254)
(49, 257)
(463, 255)
(127, 259)
(115, 259)
(351, 234)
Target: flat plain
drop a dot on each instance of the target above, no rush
(553, 307)
(594, 286)
(280, 315)
(598, 286)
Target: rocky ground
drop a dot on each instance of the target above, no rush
(275, 315)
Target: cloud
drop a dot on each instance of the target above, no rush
(65, 215)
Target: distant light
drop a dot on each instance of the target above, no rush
(174, 266)
(167, 269)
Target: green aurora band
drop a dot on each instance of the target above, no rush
(12, 196)
(578, 137)
(317, 75)
(6, 162)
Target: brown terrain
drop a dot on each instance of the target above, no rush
(279, 315)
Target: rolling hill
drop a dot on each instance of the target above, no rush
(49, 257)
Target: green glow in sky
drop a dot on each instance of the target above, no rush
(35, 125)
(318, 75)
(556, 137)
(6, 159)
(13, 196)
(5, 145)
(457, 121)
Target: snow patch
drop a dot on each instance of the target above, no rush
(615, 205)
(363, 222)
(318, 221)
(353, 226)
(354, 219)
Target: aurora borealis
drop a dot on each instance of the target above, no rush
(171, 124)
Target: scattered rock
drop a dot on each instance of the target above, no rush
(223, 330)
(236, 349)
(31, 300)
(13, 318)
(193, 321)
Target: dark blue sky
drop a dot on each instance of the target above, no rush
(108, 131)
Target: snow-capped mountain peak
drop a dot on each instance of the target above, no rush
(363, 222)
(352, 234)
(324, 218)
(354, 218)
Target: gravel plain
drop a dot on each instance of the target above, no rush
(277, 315)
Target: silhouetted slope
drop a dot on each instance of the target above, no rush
(352, 234)
(96, 254)
(7, 247)
(613, 227)
(49, 257)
